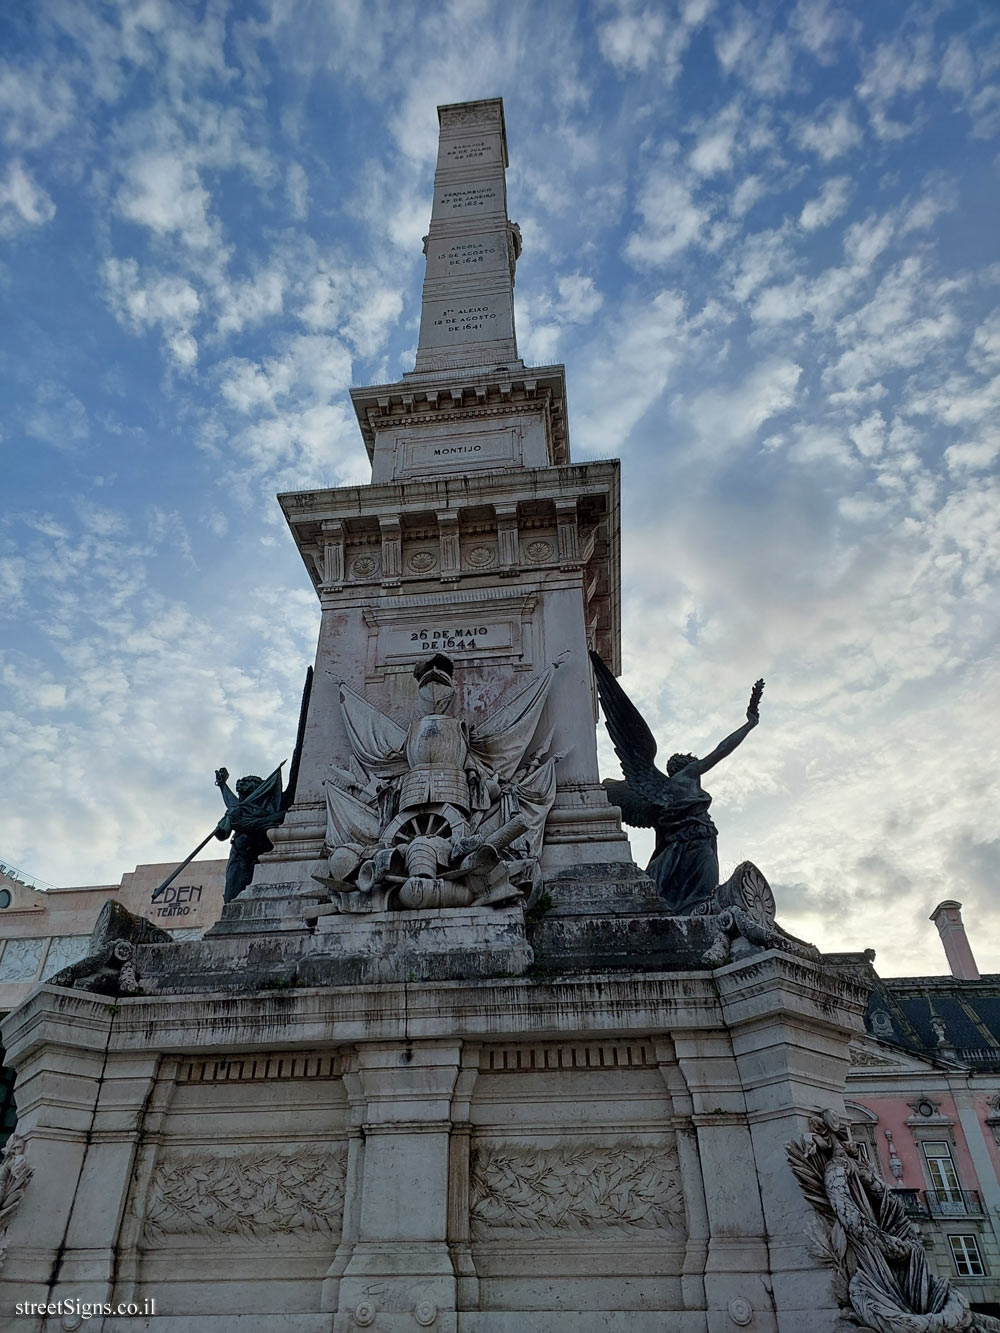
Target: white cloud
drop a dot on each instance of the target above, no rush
(865, 241)
(579, 299)
(746, 194)
(958, 68)
(829, 204)
(57, 417)
(820, 26)
(36, 105)
(716, 147)
(637, 353)
(974, 455)
(869, 435)
(895, 69)
(830, 133)
(23, 202)
(726, 417)
(751, 49)
(297, 190)
(629, 41)
(163, 191)
(672, 220)
(243, 304)
(159, 301)
(654, 38)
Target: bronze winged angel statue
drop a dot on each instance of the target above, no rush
(685, 861)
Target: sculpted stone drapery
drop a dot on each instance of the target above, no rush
(864, 1236)
(15, 1175)
(444, 812)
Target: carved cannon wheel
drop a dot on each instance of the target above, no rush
(428, 825)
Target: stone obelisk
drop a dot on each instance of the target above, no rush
(477, 537)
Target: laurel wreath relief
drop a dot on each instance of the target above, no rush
(576, 1189)
(253, 1195)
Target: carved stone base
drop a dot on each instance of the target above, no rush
(422, 946)
(312, 945)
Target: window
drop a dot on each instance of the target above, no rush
(968, 1260)
(941, 1170)
(863, 1124)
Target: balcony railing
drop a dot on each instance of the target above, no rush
(912, 1203)
(953, 1203)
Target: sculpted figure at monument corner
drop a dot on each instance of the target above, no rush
(445, 812)
(256, 805)
(685, 861)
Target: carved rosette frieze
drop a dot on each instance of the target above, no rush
(575, 1190)
(253, 1194)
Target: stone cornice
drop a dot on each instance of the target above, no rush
(452, 395)
(503, 1009)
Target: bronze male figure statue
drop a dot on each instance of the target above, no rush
(685, 861)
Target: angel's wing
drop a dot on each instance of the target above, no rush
(378, 742)
(636, 810)
(501, 740)
(632, 739)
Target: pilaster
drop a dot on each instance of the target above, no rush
(790, 1021)
(79, 1108)
(400, 1267)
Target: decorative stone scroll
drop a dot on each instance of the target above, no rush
(255, 1194)
(745, 910)
(578, 1189)
(109, 965)
(863, 1235)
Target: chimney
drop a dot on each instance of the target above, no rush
(947, 916)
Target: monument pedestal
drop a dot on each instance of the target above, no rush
(596, 1151)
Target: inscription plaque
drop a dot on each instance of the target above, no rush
(467, 452)
(464, 199)
(462, 625)
(482, 148)
(472, 320)
(406, 642)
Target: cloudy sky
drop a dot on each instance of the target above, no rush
(763, 238)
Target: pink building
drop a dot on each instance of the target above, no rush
(923, 1096)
